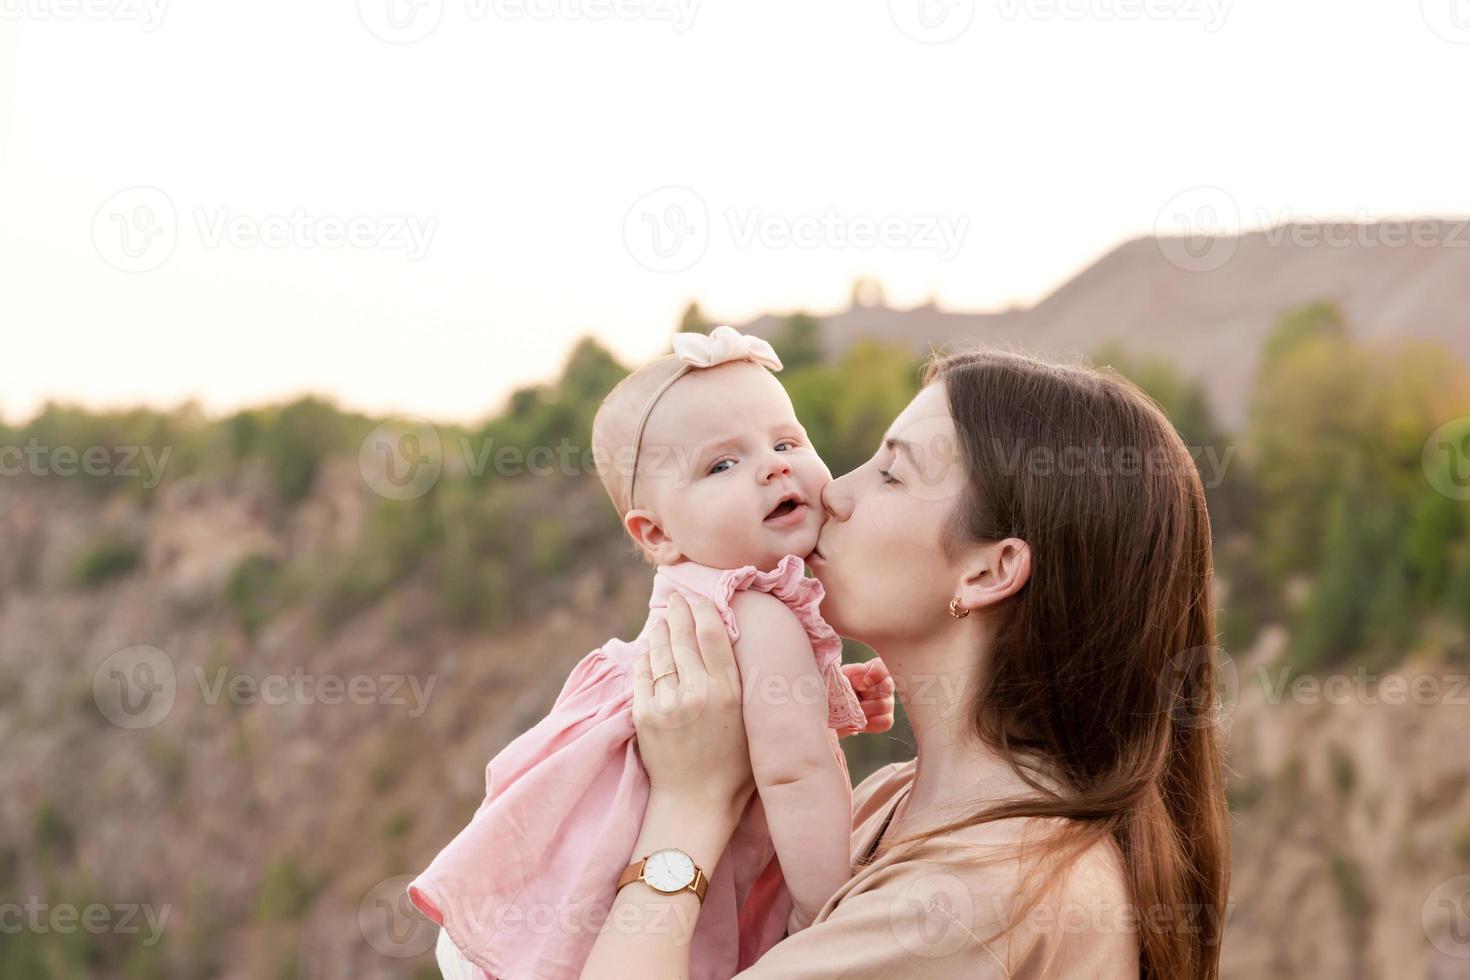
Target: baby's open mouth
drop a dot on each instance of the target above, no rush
(789, 509)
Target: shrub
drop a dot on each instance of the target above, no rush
(397, 824)
(1462, 845)
(550, 550)
(109, 558)
(1243, 794)
(1352, 893)
(252, 590)
(1344, 772)
(53, 833)
(285, 892)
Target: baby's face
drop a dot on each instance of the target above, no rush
(729, 471)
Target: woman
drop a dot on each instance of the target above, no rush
(1030, 554)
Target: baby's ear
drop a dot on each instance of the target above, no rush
(643, 527)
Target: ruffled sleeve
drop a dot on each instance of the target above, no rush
(803, 595)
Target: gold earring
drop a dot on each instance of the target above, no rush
(955, 610)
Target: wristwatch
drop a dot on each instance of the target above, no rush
(668, 871)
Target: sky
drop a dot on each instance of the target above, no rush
(414, 206)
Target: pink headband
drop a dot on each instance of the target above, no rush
(697, 350)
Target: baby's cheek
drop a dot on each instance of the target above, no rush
(816, 472)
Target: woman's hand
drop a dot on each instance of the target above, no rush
(691, 732)
(874, 686)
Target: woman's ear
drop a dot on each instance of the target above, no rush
(995, 571)
(643, 527)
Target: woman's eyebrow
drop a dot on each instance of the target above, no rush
(903, 446)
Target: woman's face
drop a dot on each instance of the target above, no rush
(879, 556)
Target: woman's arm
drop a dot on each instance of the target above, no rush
(692, 742)
(646, 935)
(803, 786)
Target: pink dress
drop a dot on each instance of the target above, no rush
(523, 890)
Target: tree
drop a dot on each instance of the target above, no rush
(798, 342)
(590, 373)
(693, 320)
(1321, 320)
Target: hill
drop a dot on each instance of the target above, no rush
(1211, 323)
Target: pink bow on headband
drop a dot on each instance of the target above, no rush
(724, 344)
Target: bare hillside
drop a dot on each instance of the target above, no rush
(1211, 323)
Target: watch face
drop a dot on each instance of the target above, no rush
(669, 870)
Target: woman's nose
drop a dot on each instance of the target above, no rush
(835, 499)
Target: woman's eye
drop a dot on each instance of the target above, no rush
(886, 476)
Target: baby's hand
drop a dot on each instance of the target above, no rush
(874, 686)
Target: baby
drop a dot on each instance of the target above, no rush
(717, 483)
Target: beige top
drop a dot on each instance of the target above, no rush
(932, 914)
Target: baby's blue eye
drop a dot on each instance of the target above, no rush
(716, 468)
(785, 442)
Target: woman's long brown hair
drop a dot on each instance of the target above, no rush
(1102, 666)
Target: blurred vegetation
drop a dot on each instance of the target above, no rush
(253, 590)
(107, 559)
(285, 892)
(1327, 519)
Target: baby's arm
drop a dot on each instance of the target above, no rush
(802, 785)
